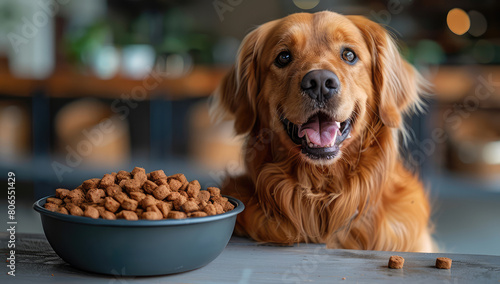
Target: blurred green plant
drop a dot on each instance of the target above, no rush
(173, 32)
(79, 43)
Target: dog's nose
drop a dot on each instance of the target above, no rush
(320, 85)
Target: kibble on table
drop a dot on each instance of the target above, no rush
(443, 263)
(396, 262)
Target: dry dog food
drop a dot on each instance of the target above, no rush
(443, 263)
(136, 195)
(396, 262)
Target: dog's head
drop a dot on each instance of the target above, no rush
(319, 80)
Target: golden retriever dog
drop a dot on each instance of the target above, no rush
(320, 99)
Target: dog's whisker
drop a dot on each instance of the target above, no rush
(369, 128)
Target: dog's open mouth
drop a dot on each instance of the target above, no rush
(320, 137)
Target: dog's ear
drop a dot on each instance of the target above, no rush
(237, 93)
(397, 83)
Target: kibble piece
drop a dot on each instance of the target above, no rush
(113, 189)
(62, 210)
(129, 204)
(156, 175)
(108, 215)
(164, 208)
(220, 200)
(138, 196)
(193, 188)
(131, 185)
(107, 180)
(228, 206)
(111, 204)
(100, 208)
(197, 214)
(162, 181)
(74, 209)
(122, 175)
(179, 202)
(173, 196)
(51, 206)
(91, 212)
(95, 195)
(174, 184)
(127, 215)
(77, 196)
(154, 209)
(91, 183)
(190, 206)
(85, 205)
(76, 193)
(202, 204)
(151, 215)
(396, 262)
(120, 196)
(176, 215)
(54, 200)
(184, 187)
(214, 191)
(76, 201)
(204, 195)
(210, 209)
(149, 186)
(443, 263)
(218, 208)
(137, 170)
(62, 193)
(180, 177)
(139, 211)
(149, 200)
(161, 192)
(140, 175)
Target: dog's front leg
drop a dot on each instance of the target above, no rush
(253, 222)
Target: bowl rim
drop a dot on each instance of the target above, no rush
(38, 206)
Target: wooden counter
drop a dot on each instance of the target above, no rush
(201, 81)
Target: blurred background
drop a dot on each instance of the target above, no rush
(90, 87)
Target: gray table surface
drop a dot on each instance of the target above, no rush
(244, 261)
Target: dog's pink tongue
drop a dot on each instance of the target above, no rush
(321, 132)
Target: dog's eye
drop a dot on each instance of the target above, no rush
(283, 59)
(349, 56)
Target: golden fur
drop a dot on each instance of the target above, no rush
(362, 199)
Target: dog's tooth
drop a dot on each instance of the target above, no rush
(338, 124)
(311, 145)
(348, 136)
(307, 139)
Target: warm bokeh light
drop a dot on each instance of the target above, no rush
(458, 21)
(478, 24)
(306, 4)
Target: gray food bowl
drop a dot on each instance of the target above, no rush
(138, 248)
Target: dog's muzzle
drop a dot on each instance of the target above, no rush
(320, 137)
